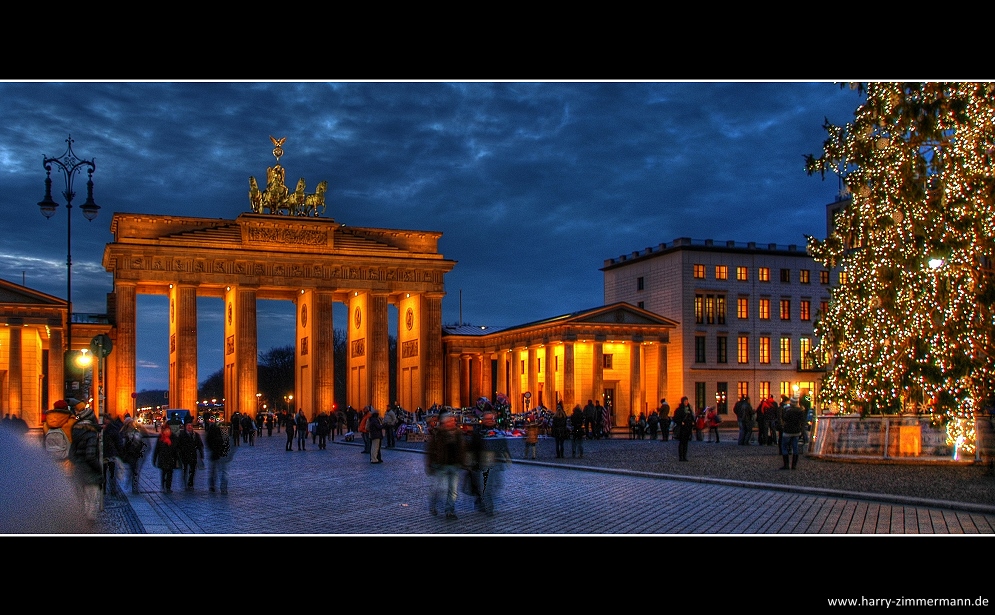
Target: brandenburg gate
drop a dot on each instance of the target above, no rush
(283, 249)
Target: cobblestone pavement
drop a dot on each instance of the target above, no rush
(619, 487)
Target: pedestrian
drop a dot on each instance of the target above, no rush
(684, 420)
(700, 424)
(664, 412)
(300, 428)
(746, 416)
(363, 418)
(18, 425)
(219, 443)
(606, 419)
(165, 457)
(532, 439)
(712, 421)
(641, 426)
(84, 453)
(375, 427)
(288, 426)
(765, 415)
(112, 452)
(577, 422)
(589, 419)
(133, 435)
(599, 423)
(560, 430)
(248, 429)
(390, 427)
(489, 450)
(340, 422)
(333, 421)
(269, 424)
(191, 450)
(446, 455)
(653, 424)
(351, 419)
(791, 419)
(322, 425)
(236, 425)
(632, 426)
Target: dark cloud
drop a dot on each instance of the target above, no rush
(533, 184)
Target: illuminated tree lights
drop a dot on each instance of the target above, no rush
(909, 326)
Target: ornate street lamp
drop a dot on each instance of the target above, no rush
(70, 165)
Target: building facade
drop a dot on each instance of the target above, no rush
(744, 312)
(615, 354)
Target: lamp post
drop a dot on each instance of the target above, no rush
(70, 165)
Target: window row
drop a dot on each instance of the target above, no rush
(785, 350)
(786, 387)
(711, 309)
(743, 274)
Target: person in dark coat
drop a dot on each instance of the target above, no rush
(683, 427)
(113, 445)
(375, 427)
(577, 423)
(191, 451)
(84, 453)
(219, 442)
(164, 456)
(560, 429)
(289, 425)
(300, 425)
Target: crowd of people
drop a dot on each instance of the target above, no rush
(458, 460)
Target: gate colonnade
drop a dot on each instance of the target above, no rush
(312, 262)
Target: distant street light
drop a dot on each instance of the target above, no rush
(70, 166)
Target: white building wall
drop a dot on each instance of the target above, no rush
(669, 288)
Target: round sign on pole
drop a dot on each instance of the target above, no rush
(101, 343)
(134, 395)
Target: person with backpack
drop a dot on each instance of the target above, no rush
(84, 453)
(133, 435)
(684, 427)
(58, 427)
(219, 443)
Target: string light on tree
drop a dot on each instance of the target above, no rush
(909, 326)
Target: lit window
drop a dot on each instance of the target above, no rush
(785, 275)
(699, 349)
(763, 309)
(785, 350)
(785, 309)
(803, 276)
(804, 309)
(721, 272)
(763, 274)
(842, 278)
(743, 308)
(763, 388)
(699, 272)
(721, 344)
(824, 307)
(824, 276)
(804, 348)
(699, 309)
(742, 389)
(742, 351)
(764, 350)
(741, 274)
(709, 309)
(720, 309)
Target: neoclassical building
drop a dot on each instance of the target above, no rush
(614, 353)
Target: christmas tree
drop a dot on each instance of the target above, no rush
(909, 325)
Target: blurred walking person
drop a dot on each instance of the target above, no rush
(375, 427)
(446, 455)
(84, 453)
(219, 443)
(164, 456)
(191, 451)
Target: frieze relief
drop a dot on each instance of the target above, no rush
(299, 237)
(409, 349)
(359, 347)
